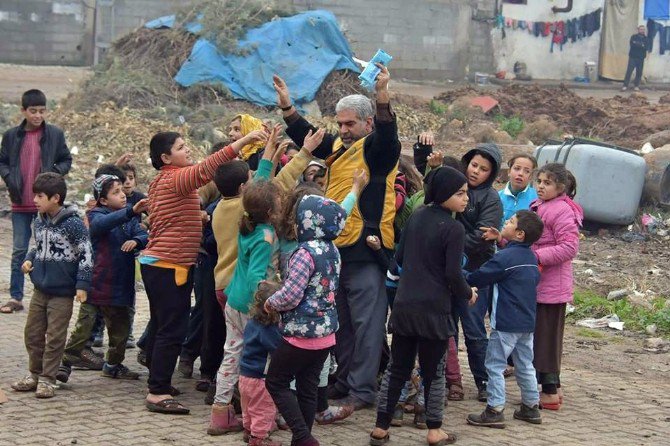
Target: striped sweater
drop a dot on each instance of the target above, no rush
(174, 207)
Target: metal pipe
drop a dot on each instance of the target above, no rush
(568, 8)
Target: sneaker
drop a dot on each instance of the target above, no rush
(26, 384)
(63, 373)
(119, 371)
(482, 394)
(45, 390)
(130, 343)
(624, 88)
(185, 367)
(529, 414)
(89, 360)
(267, 441)
(97, 342)
(333, 414)
(636, 89)
(398, 415)
(488, 418)
(142, 358)
(420, 417)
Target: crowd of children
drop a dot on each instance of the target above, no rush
(253, 229)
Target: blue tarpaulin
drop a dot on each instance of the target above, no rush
(302, 49)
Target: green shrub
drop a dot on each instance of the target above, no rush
(513, 125)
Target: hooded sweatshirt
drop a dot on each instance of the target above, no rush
(484, 209)
(306, 301)
(62, 256)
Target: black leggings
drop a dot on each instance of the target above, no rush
(287, 363)
(431, 360)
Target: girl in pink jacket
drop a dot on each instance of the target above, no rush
(555, 250)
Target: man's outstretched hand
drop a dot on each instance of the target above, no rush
(283, 95)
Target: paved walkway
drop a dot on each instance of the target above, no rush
(602, 408)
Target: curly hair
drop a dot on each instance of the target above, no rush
(259, 200)
(286, 226)
(257, 310)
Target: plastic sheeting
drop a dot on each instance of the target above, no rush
(302, 49)
(657, 9)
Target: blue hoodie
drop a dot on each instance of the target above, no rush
(62, 258)
(514, 274)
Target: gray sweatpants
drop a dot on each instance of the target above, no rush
(361, 309)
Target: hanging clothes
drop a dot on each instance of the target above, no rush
(657, 9)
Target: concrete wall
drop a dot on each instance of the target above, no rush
(427, 39)
(48, 32)
(519, 45)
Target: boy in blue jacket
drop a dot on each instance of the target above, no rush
(115, 235)
(60, 267)
(514, 274)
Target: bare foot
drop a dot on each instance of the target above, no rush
(153, 399)
(436, 435)
(378, 433)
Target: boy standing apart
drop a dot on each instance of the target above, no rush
(27, 150)
(60, 266)
(514, 274)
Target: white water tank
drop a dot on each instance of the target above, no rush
(610, 179)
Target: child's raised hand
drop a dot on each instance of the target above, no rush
(435, 160)
(312, 140)
(473, 297)
(360, 180)
(124, 159)
(255, 136)
(27, 267)
(129, 245)
(490, 234)
(373, 242)
(81, 297)
(427, 138)
(283, 95)
(141, 206)
(271, 143)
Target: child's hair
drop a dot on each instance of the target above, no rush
(161, 143)
(412, 176)
(321, 173)
(530, 158)
(230, 176)
(111, 169)
(257, 310)
(33, 98)
(286, 225)
(259, 203)
(453, 162)
(128, 167)
(292, 146)
(531, 224)
(218, 146)
(50, 184)
(561, 176)
(571, 186)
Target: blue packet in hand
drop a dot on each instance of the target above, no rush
(371, 71)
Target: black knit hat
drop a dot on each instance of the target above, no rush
(440, 184)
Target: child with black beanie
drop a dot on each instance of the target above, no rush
(430, 278)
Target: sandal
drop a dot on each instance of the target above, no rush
(456, 393)
(376, 441)
(11, 306)
(167, 406)
(450, 439)
(509, 371)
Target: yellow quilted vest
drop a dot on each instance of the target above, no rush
(340, 179)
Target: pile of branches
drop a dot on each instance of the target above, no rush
(337, 85)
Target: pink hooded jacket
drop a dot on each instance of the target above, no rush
(556, 248)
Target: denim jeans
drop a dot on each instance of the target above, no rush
(474, 331)
(21, 233)
(520, 346)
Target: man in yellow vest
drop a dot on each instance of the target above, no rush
(367, 141)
